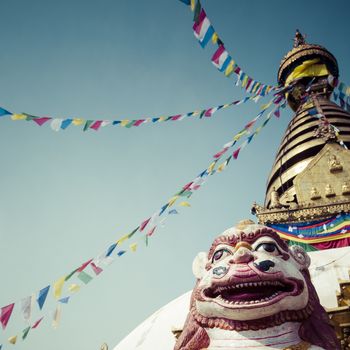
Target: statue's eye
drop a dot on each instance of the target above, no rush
(268, 247)
(219, 254)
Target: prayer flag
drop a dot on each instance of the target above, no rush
(84, 277)
(121, 252)
(185, 204)
(18, 117)
(110, 249)
(25, 332)
(144, 224)
(96, 268)
(56, 317)
(13, 339)
(150, 233)
(41, 121)
(235, 153)
(197, 11)
(133, 232)
(87, 124)
(57, 287)
(172, 200)
(133, 247)
(203, 30)
(42, 296)
(187, 2)
(173, 211)
(64, 300)
(56, 124)
(77, 121)
(26, 307)
(66, 123)
(124, 238)
(83, 266)
(4, 112)
(74, 288)
(5, 315)
(36, 324)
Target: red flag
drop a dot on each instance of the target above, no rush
(235, 153)
(138, 122)
(96, 125)
(96, 268)
(36, 324)
(41, 121)
(6, 312)
(219, 154)
(144, 224)
(82, 267)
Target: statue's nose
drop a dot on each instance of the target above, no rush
(242, 255)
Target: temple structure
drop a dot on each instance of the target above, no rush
(307, 199)
(308, 190)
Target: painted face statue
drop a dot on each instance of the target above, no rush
(254, 292)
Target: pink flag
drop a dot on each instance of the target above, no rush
(6, 312)
(197, 26)
(217, 57)
(150, 233)
(96, 125)
(235, 153)
(186, 187)
(138, 122)
(96, 268)
(176, 117)
(144, 224)
(219, 154)
(36, 324)
(41, 121)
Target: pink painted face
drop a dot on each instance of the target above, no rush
(250, 274)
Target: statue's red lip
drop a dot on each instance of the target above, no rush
(253, 294)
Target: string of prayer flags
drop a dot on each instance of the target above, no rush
(204, 32)
(58, 124)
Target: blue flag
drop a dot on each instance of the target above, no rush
(2, 113)
(42, 296)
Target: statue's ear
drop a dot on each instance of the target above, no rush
(198, 265)
(300, 256)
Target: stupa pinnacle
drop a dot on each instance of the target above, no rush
(310, 177)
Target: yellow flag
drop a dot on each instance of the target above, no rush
(229, 69)
(239, 135)
(256, 88)
(124, 122)
(245, 80)
(122, 239)
(185, 204)
(57, 287)
(221, 167)
(73, 288)
(18, 117)
(77, 121)
(13, 339)
(211, 167)
(347, 92)
(161, 119)
(214, 38)
(133, 247)
(193, 4)
(172, 200)
(266, 105)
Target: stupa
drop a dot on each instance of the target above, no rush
(307, 198)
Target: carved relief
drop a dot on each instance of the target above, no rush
(314, 194)
(334, 164)
(328, 190)
(346, 188)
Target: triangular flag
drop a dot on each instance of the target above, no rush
(36, 324)
(18, 117)
(66, 123)
(133, 232)
(83, 266)
(42, 296)
(124, 238)
(77, 121)
(172, 200)
(121, 252)
(6, 312)
(185, 204)
(56, 124)
(87, 124)
(84, 277)
(26, 307)
(13, 339)
(2, 113)
(235, 153)
(96, 125)
(133, 247)
(173, 211)
(110, 249)
(25, 332)
(57, 287)
(41, 121)
(96, 268)
(64, 300)
(150, 233)
(73, 288)
(144, 224)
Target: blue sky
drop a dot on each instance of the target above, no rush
(66, 196)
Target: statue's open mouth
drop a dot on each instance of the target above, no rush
(251, 293)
